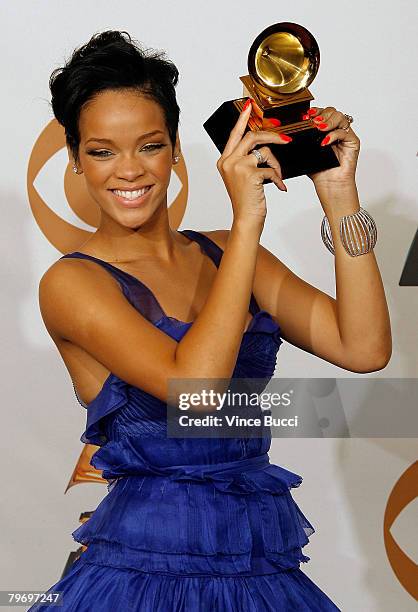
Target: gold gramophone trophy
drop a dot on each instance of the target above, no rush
(283, 60)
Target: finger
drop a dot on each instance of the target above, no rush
(272, 161)
(263, 174)
(238, 130)
(335, 122)
(330, 119)
(312, 112)
(251, 139)
(338, 135)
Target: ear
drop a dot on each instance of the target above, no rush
(72, 161)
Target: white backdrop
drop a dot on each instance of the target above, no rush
(367, 70)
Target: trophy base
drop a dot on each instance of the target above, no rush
(304, 155)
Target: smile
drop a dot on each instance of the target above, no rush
(131, 198)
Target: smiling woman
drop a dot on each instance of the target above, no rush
(132, 164)
(190, 524)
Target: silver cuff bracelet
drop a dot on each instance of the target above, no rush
(358, 233)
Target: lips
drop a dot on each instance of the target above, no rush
(131, 194)
(131, 198)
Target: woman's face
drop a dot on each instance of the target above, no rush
(124, 148)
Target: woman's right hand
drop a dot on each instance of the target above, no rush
(240, 172)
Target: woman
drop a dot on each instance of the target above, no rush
(189, 524)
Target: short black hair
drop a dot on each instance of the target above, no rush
(112, 60)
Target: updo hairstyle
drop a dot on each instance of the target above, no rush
(112, 60)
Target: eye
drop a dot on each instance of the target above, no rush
(103, 153)
(98, 153)
(152, 147)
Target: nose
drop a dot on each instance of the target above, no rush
(129, 167)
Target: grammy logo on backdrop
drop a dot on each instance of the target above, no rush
(283, 60)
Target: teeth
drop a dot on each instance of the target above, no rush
(130, 195)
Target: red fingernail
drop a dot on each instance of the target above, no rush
(286, 138)
(246, 105)
(325, 141)
(312, 111)
(304, 117)
(319, 118)
(275, 122)
(323, 125)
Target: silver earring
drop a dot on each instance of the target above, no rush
(176, 159)
(75, 169)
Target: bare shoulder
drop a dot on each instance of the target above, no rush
(85, 307)
(71, 268)
(67, 279)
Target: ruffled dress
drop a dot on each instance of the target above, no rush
(188, 524)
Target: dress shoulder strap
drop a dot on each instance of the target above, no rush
(215, 253)
(137, 293)
(208, 246)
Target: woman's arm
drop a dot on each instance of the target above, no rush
(314, 321)
(212, 344)
(210, 347)
(361, 308)
(353, 330)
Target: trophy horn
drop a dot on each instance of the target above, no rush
(283, 59)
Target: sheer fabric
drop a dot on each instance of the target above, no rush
(188, 524)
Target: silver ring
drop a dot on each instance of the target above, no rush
(350, 121)
(258, 155)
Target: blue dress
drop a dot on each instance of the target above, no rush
(196, 525)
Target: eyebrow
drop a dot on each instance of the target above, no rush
(140, 138)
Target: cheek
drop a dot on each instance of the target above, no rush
(96, 172)
(163, 161)
(161, 167)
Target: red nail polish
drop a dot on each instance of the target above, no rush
(319, 118)
(323, 125)
(312, 111)
(246, 105)
(325, 140)
(286, 138)
(275, 122)
(304, 117)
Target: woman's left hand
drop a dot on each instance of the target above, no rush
(345, 144)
